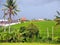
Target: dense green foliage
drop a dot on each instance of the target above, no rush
(24, 34)
(31, 32)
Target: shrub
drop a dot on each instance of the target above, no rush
(57, 39)
(40, 37)
(25, 34)
(33, 30)
(22, 29)
(30, 32)
(49, 38)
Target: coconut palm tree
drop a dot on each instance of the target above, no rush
(11, 9)
(57, 19)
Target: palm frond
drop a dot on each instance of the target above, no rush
(15, 6)
(58, 12)
(11, 4)
(14, 2)
(6, 5)
(15, 13)
(17, 10)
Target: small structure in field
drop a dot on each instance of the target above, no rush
(41, 19)
(37, 20)
(23, 19)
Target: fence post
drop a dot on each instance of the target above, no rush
(52, 32)
(47, 33)
(4, 27)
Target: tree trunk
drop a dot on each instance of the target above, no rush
(9, 20)
(4, 23)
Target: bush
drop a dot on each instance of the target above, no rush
(25, 34)
(33, 30)
(22, 29)
(49, 38)
(28, 33)
(57, 39)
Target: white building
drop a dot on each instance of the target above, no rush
(41, 19)
(6, 23)
(3, 20)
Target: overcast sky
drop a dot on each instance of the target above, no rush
(35, 9)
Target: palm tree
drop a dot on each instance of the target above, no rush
(57, 19)
(11, 10)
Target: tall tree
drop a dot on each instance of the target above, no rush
(57, 19)
(11, 9)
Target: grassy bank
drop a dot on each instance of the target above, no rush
(42, 25)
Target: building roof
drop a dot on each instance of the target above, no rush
(23, 19)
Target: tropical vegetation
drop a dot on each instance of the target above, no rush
(31, 32)
(47, 31)
(11, 8)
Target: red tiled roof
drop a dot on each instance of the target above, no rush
(23, 18)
